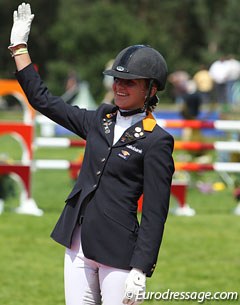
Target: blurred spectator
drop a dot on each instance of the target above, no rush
(218, 72)
(72, 81)
(233, 75)
(191, 101)
(178, 80)
(72, 87)
(190, 110)
(204, 83)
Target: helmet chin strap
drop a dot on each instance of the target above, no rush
(148, 95)
(145, 106)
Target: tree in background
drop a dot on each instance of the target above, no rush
(83, 35)
(90, 35)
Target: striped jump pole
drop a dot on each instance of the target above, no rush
(232, 167)
(232, 146)
(198, 124)
(58, 142)
(72, 167)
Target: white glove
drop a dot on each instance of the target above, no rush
(22, 19)
(135, 287)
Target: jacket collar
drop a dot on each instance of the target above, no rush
(149, 122)
(137, 131)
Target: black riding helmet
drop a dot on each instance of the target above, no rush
(140, 62)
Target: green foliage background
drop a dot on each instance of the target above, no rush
(83, 35)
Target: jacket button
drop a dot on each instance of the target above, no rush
(98, 173)
(94, 186)
(103, 159)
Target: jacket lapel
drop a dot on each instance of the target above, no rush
(108, 123)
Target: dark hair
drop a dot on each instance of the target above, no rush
(153, 101)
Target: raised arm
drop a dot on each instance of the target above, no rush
(40, 98)
(22, 19)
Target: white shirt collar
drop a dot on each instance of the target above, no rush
(129, 120)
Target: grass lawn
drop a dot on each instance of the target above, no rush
(200, 253)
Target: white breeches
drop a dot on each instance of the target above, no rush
(88, 282)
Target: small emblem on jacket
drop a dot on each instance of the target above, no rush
(124, 154)
(127, 137)
(110, 115)
(106, 124)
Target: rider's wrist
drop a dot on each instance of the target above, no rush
(18, 51)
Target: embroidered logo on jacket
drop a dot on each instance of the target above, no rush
(134, 149)
(124, 154)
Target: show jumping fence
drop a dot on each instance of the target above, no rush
(24, 133)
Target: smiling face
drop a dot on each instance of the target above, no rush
(129, 94)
